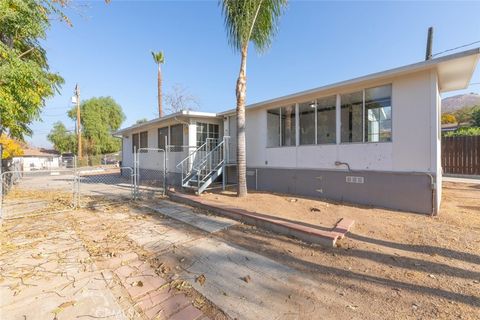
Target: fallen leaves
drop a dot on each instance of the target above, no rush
(200, 279)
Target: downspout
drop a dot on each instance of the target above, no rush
(432, 183)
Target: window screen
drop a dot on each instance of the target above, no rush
(162, 134)
(176, 135)
(326, 120)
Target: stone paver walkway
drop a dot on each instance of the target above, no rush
(82, 265)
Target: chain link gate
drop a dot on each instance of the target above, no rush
(103, 184)
(150, 172)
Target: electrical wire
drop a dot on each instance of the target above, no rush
(459, 47)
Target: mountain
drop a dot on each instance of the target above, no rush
(454, 103)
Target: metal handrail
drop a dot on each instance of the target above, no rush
(208, 154)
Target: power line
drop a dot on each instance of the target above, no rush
(459, 47)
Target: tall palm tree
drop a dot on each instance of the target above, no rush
(248, 21)
(159, 60)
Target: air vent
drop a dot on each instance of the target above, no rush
(352, 179)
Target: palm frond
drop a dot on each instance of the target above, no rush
(158, 57)
(252, 20)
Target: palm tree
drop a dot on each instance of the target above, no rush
(245, 21)
(159, 60)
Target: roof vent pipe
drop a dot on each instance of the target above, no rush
(428, 53)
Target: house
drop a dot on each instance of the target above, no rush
(38, 159)
(373, 140)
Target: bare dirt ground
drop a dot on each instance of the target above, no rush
(392, 264)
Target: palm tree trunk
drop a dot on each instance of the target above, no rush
(159, 89)
(241, 91)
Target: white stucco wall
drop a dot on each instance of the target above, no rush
(415, 140)
(153, 159)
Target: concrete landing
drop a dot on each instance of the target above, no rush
(208, 223)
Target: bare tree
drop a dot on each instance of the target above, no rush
(179, 99)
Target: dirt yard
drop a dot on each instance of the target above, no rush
(392, 264)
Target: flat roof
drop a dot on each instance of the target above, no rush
(183, 113)
(454, 73)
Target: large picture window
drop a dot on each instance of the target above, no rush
(281, 127)
(326, 120)
(306, 116)
(288, 126)
(273, 127)
(352, 117)
(378, 114)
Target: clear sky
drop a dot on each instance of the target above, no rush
(107, 51)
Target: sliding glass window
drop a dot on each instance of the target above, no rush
(326, 120)
(352, 117)
(307, 122)
(281, 127)
(273, 127)
(378, 114)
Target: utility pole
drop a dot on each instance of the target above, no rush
(428, 53)
(79, 131)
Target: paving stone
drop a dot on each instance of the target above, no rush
(188, 313)
(153, 298)
(169, 306)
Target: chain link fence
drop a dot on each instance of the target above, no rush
(37, 191)
(65, 186)
(150, 173)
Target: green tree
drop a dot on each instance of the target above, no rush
(159, 59)
(99, 118)
(143, 120)
(25, 78)
(476, 116)
(63, 140)
(248, 21)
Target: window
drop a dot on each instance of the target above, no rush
(144, 139)
(281, 126)
(318, 121)
(135, 142)
(352, 117)
(378, 114)
(207, 130)
(162, 134)
(288, 126)
(176, 135)
(326, 120)
(307, 122)
(273, 128)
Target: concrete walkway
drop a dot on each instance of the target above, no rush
(186, 214)
(462, 180)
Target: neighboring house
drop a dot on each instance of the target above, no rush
(373, 140)
(38, 159)
(447, 127)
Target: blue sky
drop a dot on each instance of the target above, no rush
(107, 51)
